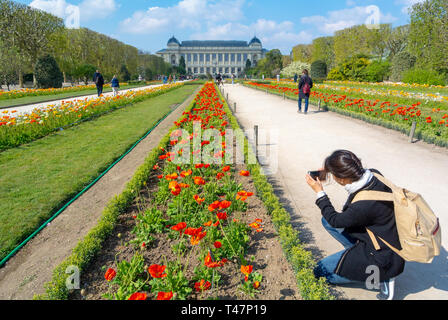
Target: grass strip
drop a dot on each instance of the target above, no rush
(87, 248)
(38, 179)
(420, 133)
(301, 259)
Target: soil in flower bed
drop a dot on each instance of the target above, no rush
(196, 232)
(264, 249)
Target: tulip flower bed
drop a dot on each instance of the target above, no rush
(21, 129)
(432, 124)
(16, 94)
(195, 231)
(192, 231)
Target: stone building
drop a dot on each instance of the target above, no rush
(212, 57)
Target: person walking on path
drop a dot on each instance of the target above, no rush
(99, 82)
(115, 85)
(296, 77)
(305, 85)
(360, 258)
(233, 78)
(170, 79)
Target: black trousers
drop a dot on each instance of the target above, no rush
(100, 90)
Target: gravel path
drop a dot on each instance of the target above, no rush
(304, 142)
(27, 272)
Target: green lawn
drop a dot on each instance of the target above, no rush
(38, 99)
(38, 178)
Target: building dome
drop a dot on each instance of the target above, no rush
(173, 40)
(255, 40)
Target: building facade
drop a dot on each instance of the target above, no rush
(213, 57)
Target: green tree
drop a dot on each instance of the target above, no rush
(182, 69)
(125, 76)
(302, 52)
(84, 72)
(428, 35)
(323, 49)
(401, 63)
(30, 30)
(9, 65)
(47, 73)
(319, 69)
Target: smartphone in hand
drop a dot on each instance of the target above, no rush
(322, 175)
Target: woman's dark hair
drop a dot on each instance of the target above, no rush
(344, 164)
(305, 71)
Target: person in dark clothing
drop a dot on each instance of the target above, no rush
(305, 85)
(99, 82)
(296, 77)
(355, 262)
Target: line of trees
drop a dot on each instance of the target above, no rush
(417, 52)
(29, 34)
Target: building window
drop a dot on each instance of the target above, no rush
(232, 57)
(220, 57)
(226, 57)
(233, 70)
(189, 57)
(238, 58)
(201, 57)
(227, 69)
(207, 57)
(214, 57)
(202, 70)
(195, 58)
(245, 57)
(195, 70)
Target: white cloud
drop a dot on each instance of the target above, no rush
(89, 9)
(189, 14)
(341, 19)
(272, 34)
(214, 20)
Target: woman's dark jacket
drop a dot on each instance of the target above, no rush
(99, 80)
(304, 79)
(115, 83)
(379, 217)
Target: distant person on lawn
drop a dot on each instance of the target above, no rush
(115, 85)
(99, 82)
(305, 85)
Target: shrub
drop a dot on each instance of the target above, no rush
(377, 71)
(47, 72)
(401, 63)
(319, 69)
(419, 76)
(295, 67)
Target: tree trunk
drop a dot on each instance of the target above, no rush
(20, 78)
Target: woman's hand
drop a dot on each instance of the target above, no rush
(316, 185)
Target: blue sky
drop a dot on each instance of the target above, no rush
(148, 24)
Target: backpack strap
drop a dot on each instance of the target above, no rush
(368, 195)
(374, 241)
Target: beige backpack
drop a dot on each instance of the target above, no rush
(418, 227)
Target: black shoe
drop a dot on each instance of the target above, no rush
(387, 290)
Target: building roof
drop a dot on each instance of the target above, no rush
(254, 40)
(214, 43)
(173, 40)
